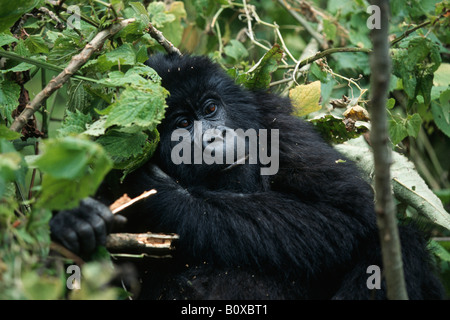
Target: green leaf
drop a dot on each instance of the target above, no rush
(141, 12)
(138, 107)
(329, 29)
(400, 128)
(9, 98)
(413, 124)
(6, 39)
(236, 50)
(414, 63)
(79, 99)
(158, 14)
(439, 251)
(260, 78)
(64, 48)
(305, 98)
(97, 277)
(408, 186)
(442, 75)
(149, 149)
(122, 146)
(65, 158)
(333, 129)
(137, 77)
(36, 44)
(73, 169)
(42, 287)
(397, 130)
(11, 11)
(390, 103)
(74, 123)
(174, 31)
(9, 166)
(318, 73)
(8, 134)
(441, 112)
(424, 85)
(123, 55)
(97, 128)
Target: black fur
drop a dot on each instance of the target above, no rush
(307, 232)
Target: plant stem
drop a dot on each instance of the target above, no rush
(74, 65)
(384, 204)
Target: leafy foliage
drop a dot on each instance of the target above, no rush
(107, 114)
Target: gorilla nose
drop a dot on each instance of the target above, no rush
(214, 135)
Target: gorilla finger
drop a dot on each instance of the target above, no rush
(99, 228)
(62, 230)
(98, 209)
(101, 210)
(70, 241)
(86, 238)
(119, 220)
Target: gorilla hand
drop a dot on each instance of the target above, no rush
(83, 229)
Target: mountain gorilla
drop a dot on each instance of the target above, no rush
(307, 230)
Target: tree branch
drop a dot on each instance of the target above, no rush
(158, 245)
(75, 63)
(327, 52)
(408, 32)
(384, 206)
(158, 36)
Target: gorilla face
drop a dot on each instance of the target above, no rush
(209, 123)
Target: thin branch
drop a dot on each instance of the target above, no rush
(158, 36)
(320, 38)
(330, 51)
(384, 204)
(408, 32)
(318, 56)
(124, 201)
(51, 14)
(75, 63)
(57, 5)
(41, 64)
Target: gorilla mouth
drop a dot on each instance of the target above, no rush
(236, 163)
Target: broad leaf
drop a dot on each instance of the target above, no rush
(407, 184)
(305, 98)
(73, 169)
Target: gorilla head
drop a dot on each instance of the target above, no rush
(211, 125)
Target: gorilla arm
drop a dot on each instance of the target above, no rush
(263, 229)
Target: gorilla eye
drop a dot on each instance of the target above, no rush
(183, 123)
(211, 108)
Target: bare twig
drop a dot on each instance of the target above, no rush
(408, 32)
(320, 38)
(75, 63)
(51, 14)
(330, 51)
(124, 201)
(158, 36)
(66, 253)
(384, 205)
